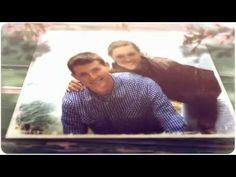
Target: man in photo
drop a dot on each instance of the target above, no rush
(118, 103)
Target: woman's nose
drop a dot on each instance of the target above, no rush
(127, 58)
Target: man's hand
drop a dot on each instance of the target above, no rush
(75, 85)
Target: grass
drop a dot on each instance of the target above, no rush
(13, 77)
(8, 104)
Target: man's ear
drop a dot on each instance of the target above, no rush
(73, 75)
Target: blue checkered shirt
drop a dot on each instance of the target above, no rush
(136, 105)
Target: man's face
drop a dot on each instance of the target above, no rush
(126, 56)
(94, 76)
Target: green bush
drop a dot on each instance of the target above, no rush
(36, 118)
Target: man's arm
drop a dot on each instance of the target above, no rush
(163, 110)
(71, 117)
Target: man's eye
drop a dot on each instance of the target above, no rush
(82, 74)
(96, 69)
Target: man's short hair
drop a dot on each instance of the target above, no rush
(121, 43)
(84, 58)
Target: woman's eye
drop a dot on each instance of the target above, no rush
(120, 57)
(131, 54)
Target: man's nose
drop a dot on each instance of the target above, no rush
(92, 76)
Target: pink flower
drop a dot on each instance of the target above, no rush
(189, 27)
(34, 38)
(206, 32)
(25, 38)
(9, 28)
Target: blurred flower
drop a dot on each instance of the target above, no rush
(27, 31)
(214, 34)
(24, 39)
(122, 26)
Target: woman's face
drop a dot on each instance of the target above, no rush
(127, 56)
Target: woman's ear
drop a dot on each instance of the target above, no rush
(107, 65)
(142, 54)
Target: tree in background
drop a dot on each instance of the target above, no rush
(20, 41)
(207, 34)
